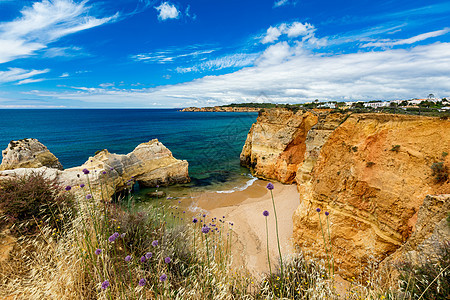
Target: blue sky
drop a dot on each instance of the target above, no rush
(155, 54)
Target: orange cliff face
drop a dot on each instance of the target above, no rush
(276, 145)
(371, 187)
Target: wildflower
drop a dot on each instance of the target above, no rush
(270, 186)
(327, 213)
(265, 213)
(143, 259)
(113, 237)
(142, 282)
(104, 172)
(157, 186)
(128, 258)
(204, 215)
(194, 220)
(155, 243)
(163, 277)
(105, 284)
(318, 210)
(123, 235)
(111, 169)
(148, 255)
(167, 260)
(88, 196)
(223, 217)
(98, 251)
(205, 229)
(86, 171)
(82, 185)
(68, 188)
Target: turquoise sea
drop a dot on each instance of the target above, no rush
(210, 142)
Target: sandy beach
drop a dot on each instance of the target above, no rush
(245, 210)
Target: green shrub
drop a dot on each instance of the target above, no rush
(440, 172)
(395, 148)
(30, 201)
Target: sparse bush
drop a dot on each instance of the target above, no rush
(395, 148)
(440, 172)
(430, 279)
(370, 164)
(33, 200)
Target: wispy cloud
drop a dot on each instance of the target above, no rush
(390, 43)
(167, 11)
(21, 76)
(279, 3)
(236, 60)
(45, 22)
(172, 55)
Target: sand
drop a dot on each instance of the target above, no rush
(245, 210)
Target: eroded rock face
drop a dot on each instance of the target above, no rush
(149, 164)
(275, 145)
(372, 189)
(28, 153)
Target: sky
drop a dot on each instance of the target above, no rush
(173, 54)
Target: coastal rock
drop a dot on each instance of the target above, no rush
(372, 189)
(431, 233)
(221, 109)
(275, 145)
(28, 153)
(149, 164)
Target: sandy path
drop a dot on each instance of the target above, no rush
(244, 209)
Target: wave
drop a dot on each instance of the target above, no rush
(238, 189)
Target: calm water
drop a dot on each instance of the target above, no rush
(210, 142)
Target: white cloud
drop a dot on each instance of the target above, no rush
(20, 75)
(64, 75)
(279, 3)
(388, 74)
(292, 30)
(29, 80)
(173, 55)
(42, 23)
(275, 54)
(167, 11)
(236, 60)
(408, 41)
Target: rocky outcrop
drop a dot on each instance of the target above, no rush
(149, 164)
(371, 172)
(221, 109)
(275, 145)
(431, 233)
(28, 153)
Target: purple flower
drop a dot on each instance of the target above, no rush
(105, 284)
(68, 188)
(265, 213)
(113, 237)
(111, 169)
(148, 255)
(142, 282)
(194, 220)
(318, 210)
(163, 277)
(155, 243)
(157, 186)
(104, 172)
(82, 185)
(123, 235)
(205, 229)
(204, 215)
(143, 259)
(270, 186)
(88, 196)
(167, 260)
(86, 171)
(128, 258)
(98, 251)
(327, 213)
(223, 217)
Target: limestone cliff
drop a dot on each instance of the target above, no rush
(28, 153)
(371, 172)
(275, 145)
(221, 109)
(149, 164)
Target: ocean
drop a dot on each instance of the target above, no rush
(210, 142)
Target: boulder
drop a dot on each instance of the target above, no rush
(28, 153)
